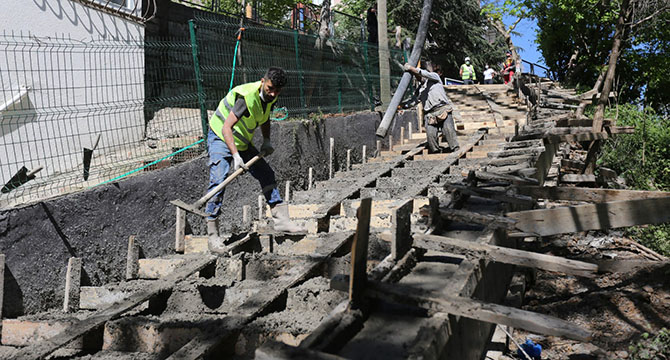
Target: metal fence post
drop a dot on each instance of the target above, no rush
(298, 65)
(198, 79)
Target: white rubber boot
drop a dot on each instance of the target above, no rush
(214, 241)
(283, 222)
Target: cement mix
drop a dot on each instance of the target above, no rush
(94, 225)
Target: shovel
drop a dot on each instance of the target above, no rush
(88, 155)
(195, 207)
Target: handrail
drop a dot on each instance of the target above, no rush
(532, 68)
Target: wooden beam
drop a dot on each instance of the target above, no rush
(588, 194)
(577, 178)
(98, 318)
(2, 283)
(254, 306)
(401, 229)
(503, 196)
(465, 216)
(578, 137)
(359, 252)
(472, 309)
(274, 350)
(487, 176)
(507, 255)
(72, 285)
(614, 214)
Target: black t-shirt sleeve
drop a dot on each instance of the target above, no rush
(240, 108)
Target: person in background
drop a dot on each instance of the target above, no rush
(508, 69)
(467, 72)
(488, 75)
(372, 24)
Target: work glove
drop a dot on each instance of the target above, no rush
(238, 162)
(407, 67)
(267, 148)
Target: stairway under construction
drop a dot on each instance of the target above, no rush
(408, 255)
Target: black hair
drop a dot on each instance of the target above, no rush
(277, 75)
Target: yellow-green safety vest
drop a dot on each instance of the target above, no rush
(468, 71)
(243, 130)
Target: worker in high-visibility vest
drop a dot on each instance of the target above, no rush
(231, 130)
(467, 72)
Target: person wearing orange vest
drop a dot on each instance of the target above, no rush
(231, 129)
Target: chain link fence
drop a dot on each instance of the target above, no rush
(76, 114)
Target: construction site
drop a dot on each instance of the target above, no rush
(516, 236)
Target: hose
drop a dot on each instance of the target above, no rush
(382, 130)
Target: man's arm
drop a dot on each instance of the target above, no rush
(423, 73)
(227, 132)
(265, 129)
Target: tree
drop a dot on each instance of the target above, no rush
(456, 30)
(577, 39)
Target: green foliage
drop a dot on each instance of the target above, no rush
(652, 347)
(583, 30)
(456, 29)
(625, 154)
(655, 237)
(274, 11)
(642, 158)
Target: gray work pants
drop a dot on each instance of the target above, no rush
(448, 134)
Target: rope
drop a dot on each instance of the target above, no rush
(149, 164)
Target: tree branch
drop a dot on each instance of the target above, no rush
(654, 14)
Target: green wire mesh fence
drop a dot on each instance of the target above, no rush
(76, 114)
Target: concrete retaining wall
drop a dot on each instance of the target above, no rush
(95, 225)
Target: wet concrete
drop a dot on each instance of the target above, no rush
(94, 225)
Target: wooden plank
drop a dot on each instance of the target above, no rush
(503, 196)
(180, 229)
(477, 218)
(253, 307)
(614, 214)
(507, 255)
(472, 309)
(578, 137)
(588, 194)
(2, 282)
(401, 229)
(72, 285)
(577, 178)
(487, 176)
(359, 253)
(98, 318)
(274, 350)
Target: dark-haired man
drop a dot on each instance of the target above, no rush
(231, 130)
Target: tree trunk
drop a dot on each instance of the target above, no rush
(324, 28)
(624, 15)
(384, 66)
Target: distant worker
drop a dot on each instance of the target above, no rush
(372, 24)
(229, 141)
(467, 72)
(437, 109)
(508, 69)
(488, 75)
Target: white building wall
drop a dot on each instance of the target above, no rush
(83, 69)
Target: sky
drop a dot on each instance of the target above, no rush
(526, 41)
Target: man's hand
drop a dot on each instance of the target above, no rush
(407, 67)
(238, 162)
(267, 148)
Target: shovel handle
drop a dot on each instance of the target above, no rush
(230, 178)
